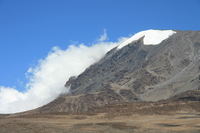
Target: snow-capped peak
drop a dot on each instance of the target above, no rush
(151, 37)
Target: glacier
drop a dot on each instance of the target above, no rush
(151, 37)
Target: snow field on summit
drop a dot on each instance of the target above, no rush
(151, 37)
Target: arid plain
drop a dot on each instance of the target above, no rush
(142, 117)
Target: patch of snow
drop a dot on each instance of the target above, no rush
(151, 37)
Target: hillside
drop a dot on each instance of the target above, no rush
(179, 114)
(136, 72)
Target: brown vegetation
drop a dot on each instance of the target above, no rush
(167, 116)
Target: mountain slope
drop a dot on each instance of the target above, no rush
(136, 72)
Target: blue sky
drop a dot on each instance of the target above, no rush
(29, 29)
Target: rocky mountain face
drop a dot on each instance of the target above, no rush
(136, 72)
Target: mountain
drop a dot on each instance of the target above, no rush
(152, 65)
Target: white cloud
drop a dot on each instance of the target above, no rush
(103, 37)
(47, 79)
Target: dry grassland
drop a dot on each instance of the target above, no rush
(119, 118)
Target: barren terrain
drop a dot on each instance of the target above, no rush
(141, 117)
(182, 122)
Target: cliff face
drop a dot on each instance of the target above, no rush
(166, 69)
(137, 72)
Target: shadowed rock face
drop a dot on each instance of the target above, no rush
(138, 72)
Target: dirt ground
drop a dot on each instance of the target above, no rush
(141, 117)
(183, 122)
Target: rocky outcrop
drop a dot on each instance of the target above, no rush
(85, 102)
(153, 72)
(136, 72)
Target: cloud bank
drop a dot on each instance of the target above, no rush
(47, 79)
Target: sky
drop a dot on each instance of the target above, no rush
(44, 42)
